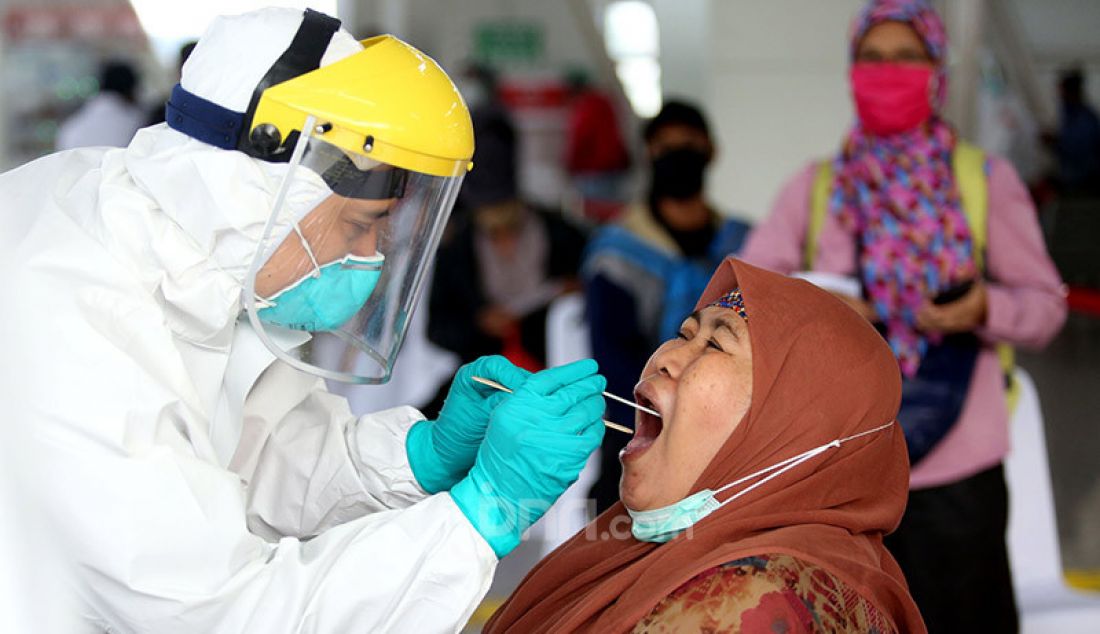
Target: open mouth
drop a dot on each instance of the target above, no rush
(647, 428)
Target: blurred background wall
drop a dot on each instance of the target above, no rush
(771, 75)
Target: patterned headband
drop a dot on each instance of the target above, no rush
(732, 300)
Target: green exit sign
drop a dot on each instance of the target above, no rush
(497, 42)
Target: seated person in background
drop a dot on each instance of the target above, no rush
(503, 262)
(642, 274)
(758, 501)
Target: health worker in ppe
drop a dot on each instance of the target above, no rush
(195, 472)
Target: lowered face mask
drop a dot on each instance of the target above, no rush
(325, 298)
(661, 525)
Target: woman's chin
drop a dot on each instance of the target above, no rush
(632, 489)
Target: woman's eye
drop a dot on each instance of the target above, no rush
(714, 344)
(682, 335)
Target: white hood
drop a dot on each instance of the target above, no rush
(189, 216)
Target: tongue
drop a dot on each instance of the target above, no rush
(639, 442)
(646, 432)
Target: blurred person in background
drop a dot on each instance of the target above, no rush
(596, 157)
(643, 273)
(109, 118)
(156, 113)
(939, 246)
(1077, 143)
(504, 261)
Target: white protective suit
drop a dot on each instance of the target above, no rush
(195, 484)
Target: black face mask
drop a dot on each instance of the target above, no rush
(678, 173)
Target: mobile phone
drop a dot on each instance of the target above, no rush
(953, 293)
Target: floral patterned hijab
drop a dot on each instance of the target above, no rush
(898, 194)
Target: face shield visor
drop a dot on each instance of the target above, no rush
(343, 258)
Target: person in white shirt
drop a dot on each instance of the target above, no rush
(109, 118)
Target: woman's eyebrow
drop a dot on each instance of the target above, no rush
(726, 321)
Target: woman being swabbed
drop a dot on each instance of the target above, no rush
(759, 499)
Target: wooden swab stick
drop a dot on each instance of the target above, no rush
(617, 427)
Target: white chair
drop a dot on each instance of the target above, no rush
(567, 341)
(1045, 602)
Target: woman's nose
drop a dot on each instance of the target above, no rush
(673, 357)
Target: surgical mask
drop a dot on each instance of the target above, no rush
(326, 298)
(660, 525)
(679, 173)
(891, 98)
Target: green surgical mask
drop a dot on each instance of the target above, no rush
(660, 525)
(327, 297)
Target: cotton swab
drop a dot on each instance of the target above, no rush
(632, 404)
(607, 423)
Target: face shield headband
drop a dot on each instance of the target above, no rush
(227, 129)
(358, 177)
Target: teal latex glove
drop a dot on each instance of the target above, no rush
(442, 451)
(537, 443)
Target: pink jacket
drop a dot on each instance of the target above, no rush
(1027, 305)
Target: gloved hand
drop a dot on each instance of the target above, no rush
(442, 451)
(537, 443)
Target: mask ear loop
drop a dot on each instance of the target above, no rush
(295, 160)
(309, 251)
(783, 467)
(791, 463)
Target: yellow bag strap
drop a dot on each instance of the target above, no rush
(968, 163)
(819, 206)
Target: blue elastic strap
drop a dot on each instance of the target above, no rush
(203, 120)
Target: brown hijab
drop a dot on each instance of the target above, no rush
(820, 372)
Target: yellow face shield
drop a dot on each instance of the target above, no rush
(405, 112)
(376, 146)
(343, 259)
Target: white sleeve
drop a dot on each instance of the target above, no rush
(309, 464)
(159, 544)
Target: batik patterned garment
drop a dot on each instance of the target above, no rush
(765, 595)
